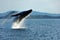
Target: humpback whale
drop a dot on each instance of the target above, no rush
(19, 16)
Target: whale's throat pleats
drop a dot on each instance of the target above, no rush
(18, 23)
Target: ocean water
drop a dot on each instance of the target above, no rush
(37, 29)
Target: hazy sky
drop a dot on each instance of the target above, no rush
(50, 6)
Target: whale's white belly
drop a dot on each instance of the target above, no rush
(18, 25)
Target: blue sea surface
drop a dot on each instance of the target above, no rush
(37, 29)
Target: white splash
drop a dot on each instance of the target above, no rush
(20, 25)
(17, 25)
